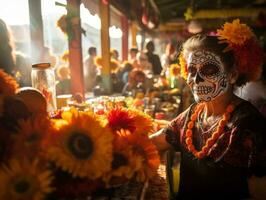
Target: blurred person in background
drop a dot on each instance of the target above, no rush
(123, 74)
(133, 56)
(153, 58)
(143, 63)
(168, 57)
(90, 69)
(63, 86)
(48, 56)
(115, 55)
(12, 62)
(136, 82)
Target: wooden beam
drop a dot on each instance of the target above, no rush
(134, 31)
(105, 41)
(124, 23)
(75, 48)
(36, 30)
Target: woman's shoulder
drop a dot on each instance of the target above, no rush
(247, 116)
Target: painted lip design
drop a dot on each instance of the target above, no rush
(201, 90)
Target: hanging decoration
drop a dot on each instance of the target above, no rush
(223, 13)
(105, 2)
(149, 16)
(67, 22)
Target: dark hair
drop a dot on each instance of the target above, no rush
(7, 59)
(213, 44)
(150, 46)
(127, 66)
(92, 50)
(134, 50)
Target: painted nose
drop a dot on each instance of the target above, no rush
(198, 79)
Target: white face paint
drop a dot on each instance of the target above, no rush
(206, 75)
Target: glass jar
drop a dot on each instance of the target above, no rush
(43, 79)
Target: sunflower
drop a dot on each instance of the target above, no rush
(142, 146)
(125, 163)
(235, 33)
(24, 181)
(82, 146)
(8, 84)
(29, 137)
(6, 144)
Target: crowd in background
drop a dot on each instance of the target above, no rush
(140, 72)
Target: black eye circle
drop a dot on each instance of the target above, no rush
(209, 70)
(192, 70)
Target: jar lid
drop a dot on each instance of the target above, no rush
(41, 65)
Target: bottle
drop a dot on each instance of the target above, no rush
(43, 79)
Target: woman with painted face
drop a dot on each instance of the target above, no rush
(221, 137)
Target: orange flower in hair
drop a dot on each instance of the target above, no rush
(174, 70)
(247, 51)
(235, 33)
(183, 66)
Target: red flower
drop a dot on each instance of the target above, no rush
(120, 119)
(250, 59)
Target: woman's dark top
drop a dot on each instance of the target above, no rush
(237, 155)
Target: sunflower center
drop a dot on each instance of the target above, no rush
(33, 137)
(119, 160)
(80, 145)
(22, 186)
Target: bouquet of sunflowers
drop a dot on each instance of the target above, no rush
(70, 156)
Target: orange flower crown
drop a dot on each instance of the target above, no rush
(183, 66)
(174, 69)
(246, 49)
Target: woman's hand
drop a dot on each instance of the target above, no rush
(158, 139)
(159, 124)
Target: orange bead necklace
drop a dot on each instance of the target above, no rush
(215, 135)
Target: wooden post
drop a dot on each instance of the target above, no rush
(134, 31)
(124, 24)
(105, 41)
(36, 30)
(75, 48)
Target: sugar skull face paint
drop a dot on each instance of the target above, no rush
(206, 75)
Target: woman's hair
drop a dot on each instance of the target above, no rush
(7, 59)
(209, 43)
(214, 45)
